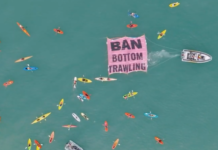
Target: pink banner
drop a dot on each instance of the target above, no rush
(127, 54)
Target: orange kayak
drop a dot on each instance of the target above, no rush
(115, 144)
(131, 26)
(106, 126)
(23, 29)
(58, 31)
(8, 83)
(129, 115)
(86, 95)
(158, 140)
(38, 144)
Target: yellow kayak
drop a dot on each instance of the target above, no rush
(22, 59)
(37, 148)
(131, 94)
(29, 144)
(84, 80)
(41, 118)
(161, 34)
(174, 4)
(61, 103)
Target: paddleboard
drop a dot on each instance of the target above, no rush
(84, 116)
(23, 29)
(8, 83)
(29, 144)
(150, 115)
(31, 68)
(41, 118)
(174, 4)
(76, 117)
(38, 144)
(133, 26)
(86, 95)
(23, 59)
(129, 115)
(80, 98)
(131, 94)
(56, 30)
(68, 126)
(161, 34)
(106, 126)
(158, 140)
(134, 16)
(51, 138)
(105, 79)
(84, 80)
(61, 103)
(115, 144)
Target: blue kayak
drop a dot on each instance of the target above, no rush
(31, 68)
(134, 16)
(82, 96)
(150, 115)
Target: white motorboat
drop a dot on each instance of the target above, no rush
(72, 146)
(105, 79)
(195, 56)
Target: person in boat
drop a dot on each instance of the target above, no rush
(125, 97)
(151, 115)
(21, 27)
(28, 67)
(58, 31)
(83, 79)
(101, 78)
(132, 14)
(22, 59)
(108, 79)
(130, 25)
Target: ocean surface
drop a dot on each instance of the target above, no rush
(183, 95)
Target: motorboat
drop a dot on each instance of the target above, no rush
(195, 56)
(72, 146)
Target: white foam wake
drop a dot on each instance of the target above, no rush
(155, 57)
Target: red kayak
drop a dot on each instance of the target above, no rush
(129, 115)
(131, 25)
(38, 144)
(86, 95)
(158, 140)
(58, 31)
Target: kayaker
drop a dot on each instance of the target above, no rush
(130, 25)
(132, 14)
(28, 67)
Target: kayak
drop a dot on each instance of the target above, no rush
(150, 115)
(161, 34)
(134, 16)
(76, 117)
(115, 144)
(68, 126)
(23, 29)
(51, 137)
(37, 148)
(130, 94)
(41, 118)
(106, 126)
(61, 103)
(129, 115)
(56, 30)
(158, 140)
(31, 68)
(8, 83)
(22, 59)
(86, 95)
(133, 26)
(37, 143)
(74, 82)
(80, 98)
(84, 80)
(174, 4)
(105, 79)
(29, 144)
(84, 116)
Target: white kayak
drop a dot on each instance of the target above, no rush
(80, 98)
(74, 82)
(195, 56)
(76, 117)
(105, 79)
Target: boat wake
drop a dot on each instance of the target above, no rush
(155, 57)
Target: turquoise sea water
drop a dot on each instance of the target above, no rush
(183, 95)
